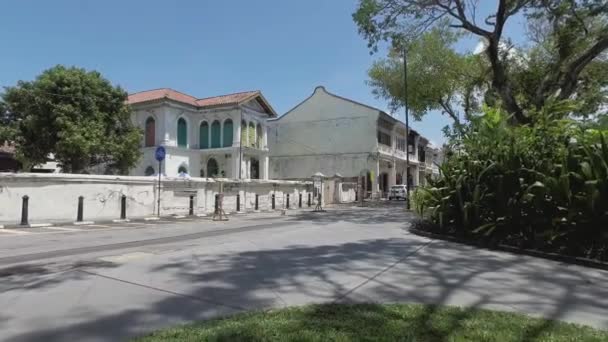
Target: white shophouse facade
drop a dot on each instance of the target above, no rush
(222, 136)
(333, 135)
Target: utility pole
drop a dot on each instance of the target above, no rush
(407, 128)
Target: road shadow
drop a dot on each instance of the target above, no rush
(38, 276)
(204, 285)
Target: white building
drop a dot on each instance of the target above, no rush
(203, 137)
(335, 135)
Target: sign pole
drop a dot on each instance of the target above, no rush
(159, 155)
(160, 165)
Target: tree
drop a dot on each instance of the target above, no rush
(74, 114)
(439, 78)
(578, 32)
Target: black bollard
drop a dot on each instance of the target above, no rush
(300, 200)
(79, 215)
(217, 202)
(191, 211)
(272, 201)
(356, 196)
(123, 207)
(24, 210)
(309, 199)
(287, 206)
(256, 201)
(238, 202)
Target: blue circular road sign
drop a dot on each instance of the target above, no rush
(159, 154)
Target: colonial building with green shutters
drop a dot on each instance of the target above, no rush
(222, 136)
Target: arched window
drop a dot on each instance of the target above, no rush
(260, 135)
(212, 168)
(182, 169)
(228, 133)
(149, 171)
(215, 134)
(203, 140)
(150, 132)
(243, 133)
(251, 134)
(182, 133)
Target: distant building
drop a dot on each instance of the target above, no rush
(334, 135)
(221, 136)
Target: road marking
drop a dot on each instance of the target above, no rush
(65, 229)
(13, 231)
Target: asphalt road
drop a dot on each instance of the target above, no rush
(113, 282)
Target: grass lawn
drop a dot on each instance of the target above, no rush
(369, 322)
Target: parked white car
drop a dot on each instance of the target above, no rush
(398, 192)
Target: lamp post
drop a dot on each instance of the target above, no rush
(407, 129)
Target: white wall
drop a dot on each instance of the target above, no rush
(324, 133)
(54, 197)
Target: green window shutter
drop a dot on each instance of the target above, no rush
(182, 133)
(215, 134)
(228, 133)
(251, 135)
(243, 134)
(204, 136)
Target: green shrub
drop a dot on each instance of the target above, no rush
(543, 185)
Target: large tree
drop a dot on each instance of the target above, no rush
(74, 114)
(439, 78)
(575, 35)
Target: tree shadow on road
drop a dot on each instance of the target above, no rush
(206, 285)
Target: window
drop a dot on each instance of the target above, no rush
(215, 134)
(251, 132)
(182, 133)
(203, 140)
(401, 144)
(228, 133)
(243, 133)
(421, 154)
(260, 135)
(150, 132)
(182, 169)
(212, 168)
(384, 139)
(149, 171)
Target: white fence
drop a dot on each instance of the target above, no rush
(54, 197)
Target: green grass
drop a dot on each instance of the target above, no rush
(378, 323)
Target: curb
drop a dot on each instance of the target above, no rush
(514, 250)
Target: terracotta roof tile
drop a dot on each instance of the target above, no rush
(226, 99)
(166, 93)
(157, 94)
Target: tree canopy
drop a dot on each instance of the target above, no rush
(74, 114)
(566, 58)
(439, 78)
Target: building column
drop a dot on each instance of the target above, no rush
(247, 133)
(265, 132)
(392, 179)
(264, 167)
(415, 175)
(375, 179)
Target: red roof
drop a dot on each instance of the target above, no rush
(166, 93)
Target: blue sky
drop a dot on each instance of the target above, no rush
(203, 48)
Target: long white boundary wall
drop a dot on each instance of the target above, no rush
(54, 197)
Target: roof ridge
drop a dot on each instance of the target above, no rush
(147, 91)
(237, 93)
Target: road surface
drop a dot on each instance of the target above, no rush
(113, 282)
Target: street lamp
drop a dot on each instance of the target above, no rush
(407, 129)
